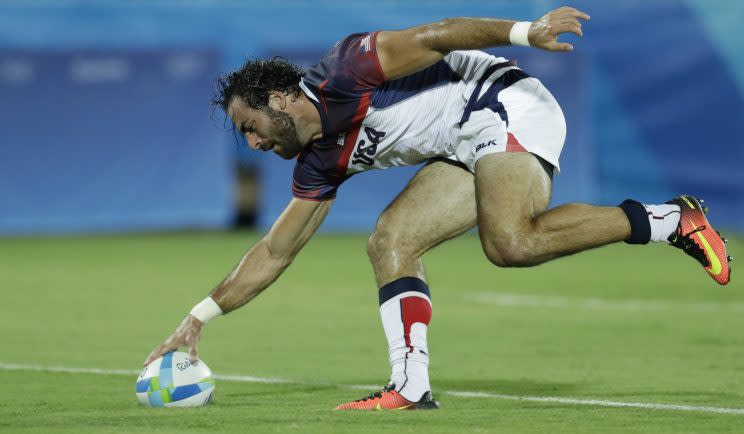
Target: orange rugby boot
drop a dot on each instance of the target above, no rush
(696, 237)
(389, 399)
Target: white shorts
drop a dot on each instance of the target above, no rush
(536, 125)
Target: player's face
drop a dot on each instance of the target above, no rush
(266, 129)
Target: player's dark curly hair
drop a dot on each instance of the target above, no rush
(255, 80)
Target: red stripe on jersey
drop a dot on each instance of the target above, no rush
(309, 194)
(412, 310)
(513, 145)
(351, 136)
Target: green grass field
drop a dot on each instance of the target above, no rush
(625, 324)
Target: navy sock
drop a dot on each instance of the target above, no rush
(404, 284)
(640, 228)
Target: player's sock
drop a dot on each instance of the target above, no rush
(405, 308)
(664, 220)
(650, 222)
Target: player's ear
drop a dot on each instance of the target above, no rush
(277, 100)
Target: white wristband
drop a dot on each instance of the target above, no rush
(206, 310)
(518, 35)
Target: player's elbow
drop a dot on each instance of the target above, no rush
(279, 256)
(437, 35)
(445, 22)
(282, 262)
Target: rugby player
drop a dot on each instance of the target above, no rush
(492, 136)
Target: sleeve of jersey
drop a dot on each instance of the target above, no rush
(311, 184)
(353, 64)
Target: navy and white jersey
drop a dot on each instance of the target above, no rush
(373, 123)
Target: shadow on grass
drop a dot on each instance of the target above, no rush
(238, 397)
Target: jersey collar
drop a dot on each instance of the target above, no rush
(308, 92)
(316, 102)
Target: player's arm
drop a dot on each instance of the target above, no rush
(268, 258)
(258, 268)
(404, 52)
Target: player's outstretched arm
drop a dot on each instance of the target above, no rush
(260, 267)
(404, 52)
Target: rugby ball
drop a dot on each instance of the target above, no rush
(173, 380)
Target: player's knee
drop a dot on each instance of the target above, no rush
(507, 251)
(373, 247)
(382, 242)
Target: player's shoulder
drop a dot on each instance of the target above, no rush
(362, 40)
(351, 66)
(348, 47)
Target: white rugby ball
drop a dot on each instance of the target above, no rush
(173, 380)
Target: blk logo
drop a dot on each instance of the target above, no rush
(485, 145)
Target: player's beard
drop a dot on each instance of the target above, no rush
(284, 139)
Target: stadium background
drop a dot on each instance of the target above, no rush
(107, 125)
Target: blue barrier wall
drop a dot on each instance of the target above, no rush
(653, 97)
(110, 140)
(669, 109)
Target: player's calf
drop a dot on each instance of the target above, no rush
(529, 241)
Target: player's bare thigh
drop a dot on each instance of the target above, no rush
(436, 205)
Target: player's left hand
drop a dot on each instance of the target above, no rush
(544, 31)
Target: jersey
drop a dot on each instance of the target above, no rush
(370, 122)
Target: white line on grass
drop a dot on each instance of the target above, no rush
(462, 394)
(96, 371)
(591, 303)
(599, 402)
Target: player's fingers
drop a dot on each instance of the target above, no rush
(159, 351)
(570, 27)
(193, 352)
(578, 14)
(154, 354)
(568, 20)
(573, 12)
(558, 46)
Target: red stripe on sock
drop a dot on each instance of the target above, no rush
(413, 310)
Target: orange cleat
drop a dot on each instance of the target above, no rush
(696, 237)
(389, 399)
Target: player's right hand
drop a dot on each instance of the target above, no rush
(544, 32)
(186, 335)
